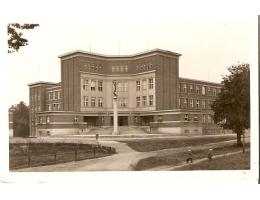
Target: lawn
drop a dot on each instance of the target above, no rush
(146, 145)
(177, 158)
(37, 154)
(232, 162)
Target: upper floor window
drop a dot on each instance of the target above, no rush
(100, 86)
(93, 85)
(203, 118)
(85, 101)
(50, 95)
(191, 88)
(144, 84)
(138, 86)
(196, 118)
(93, 101)
(150, 100)
(144, 101)
(197, 89)
(49, 107)
(203, 90)
(48, 120)
(150, 83)
(58, 94)
(198, 104)
(123, 102)
(191, 103)
(203, 103)
(138, 101)
(184, 88)
(100, 102)
(186, 117)
(85, 84)
(214, 91)
(186, 102)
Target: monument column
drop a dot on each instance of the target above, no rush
(115, 111)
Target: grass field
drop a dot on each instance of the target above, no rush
(146, 145)
(38, 154)
(177, 158)
(233, 162)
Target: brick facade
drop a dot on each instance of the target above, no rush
(149, 90)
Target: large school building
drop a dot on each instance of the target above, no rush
(149, 89)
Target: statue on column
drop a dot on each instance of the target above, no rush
(114, 88)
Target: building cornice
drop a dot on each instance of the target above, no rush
(77, 53)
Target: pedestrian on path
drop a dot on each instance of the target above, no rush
(210, 154)
(189, 158)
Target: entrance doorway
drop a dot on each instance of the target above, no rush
(122, 121)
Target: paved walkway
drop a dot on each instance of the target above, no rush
(125, 159)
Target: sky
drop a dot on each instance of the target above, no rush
(209, 42)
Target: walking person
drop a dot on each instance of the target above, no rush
(189, 157)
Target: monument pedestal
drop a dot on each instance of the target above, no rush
(115, 131)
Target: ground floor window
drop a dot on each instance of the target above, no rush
(150, 100)
(186, 117)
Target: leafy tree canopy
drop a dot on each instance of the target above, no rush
(15, 39)
(232, 107)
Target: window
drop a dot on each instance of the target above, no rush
(113, 68)
(150, 83)
(209, 119)
(191, 88)
(138, 99)
(123, 102)
(186, 102)
(38, 108)
(117, 69)
(214, 91)
(100, 102)
(179, 102)
(40, 120)
(50, 96)
(144, 101)
(85, 84)
(39, 97)
(93, 85)
(209, 90)
(138, 85)
(93, 101)
(123, 86)
(203, 103)
(191, 103)
(49, 107)
(196, 118)
(144, 86)
(198, 104)
(203, 90)
(100, 86)
(150, 100)
(197, 89)
(126, 68)
(56, 106)
(122, 68)
(204, 118)
(48, 120)
(58, 94)
(85, 101)
(186, 117)
(184, 88)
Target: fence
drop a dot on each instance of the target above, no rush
(33, 160)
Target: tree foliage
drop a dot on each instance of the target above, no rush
(232, 107)
(15, 39)
(21, 120)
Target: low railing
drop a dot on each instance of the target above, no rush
(33, 160)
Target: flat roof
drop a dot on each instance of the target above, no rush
(197, 80)
(119, 56)
(42, 83)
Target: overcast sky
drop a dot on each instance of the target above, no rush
(209, 42)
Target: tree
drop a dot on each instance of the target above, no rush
(21, 120)
(232, 107)
(15, 39)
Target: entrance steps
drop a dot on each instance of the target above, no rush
(123, 130)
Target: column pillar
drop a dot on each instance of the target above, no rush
(115, 131)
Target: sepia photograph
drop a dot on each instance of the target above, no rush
(131, 91)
